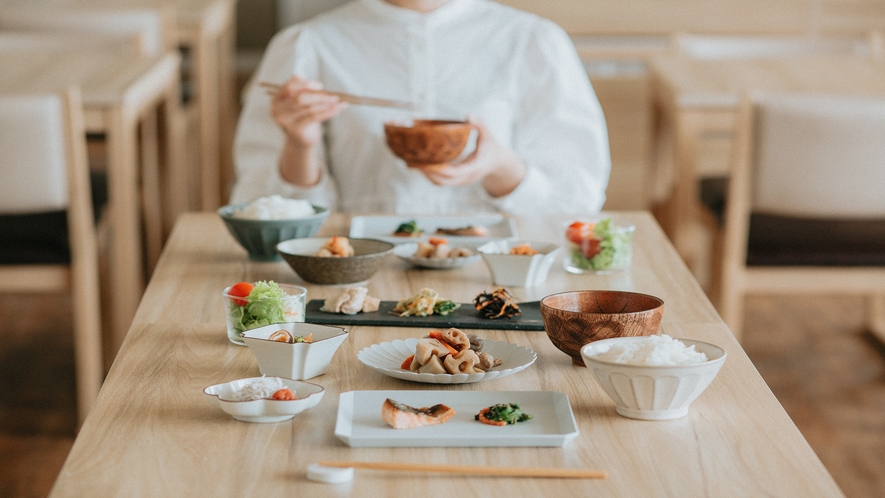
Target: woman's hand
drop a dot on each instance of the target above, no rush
(299, 110)
(493, 163)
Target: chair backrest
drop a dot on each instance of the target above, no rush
(154, 26)
(34, 158)
(819, 156)
(742, 47)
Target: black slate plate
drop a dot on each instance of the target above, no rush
(465, 317)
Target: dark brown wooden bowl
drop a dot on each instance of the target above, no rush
(428, 142)
(573, 319)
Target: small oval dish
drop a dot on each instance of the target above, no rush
(299, 360)
(406, 252)
(387, 357)
(307, 395)
(514, 270)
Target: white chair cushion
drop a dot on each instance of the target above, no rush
(820, 156)
(33, 171)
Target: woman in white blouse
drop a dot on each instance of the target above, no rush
(541, 145)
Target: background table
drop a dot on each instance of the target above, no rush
(693, 98)
(152, 433)
(121, 96)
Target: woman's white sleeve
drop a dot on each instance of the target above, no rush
(259, 141)
(560, 133)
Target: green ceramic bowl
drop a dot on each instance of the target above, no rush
(260, 237)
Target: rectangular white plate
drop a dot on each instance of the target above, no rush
(359, 421)
(382, 227)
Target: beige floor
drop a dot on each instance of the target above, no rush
(826, 371)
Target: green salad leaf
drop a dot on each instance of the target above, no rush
(264, 306)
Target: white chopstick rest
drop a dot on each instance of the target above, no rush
(330, 475)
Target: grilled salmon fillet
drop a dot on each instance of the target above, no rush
(401, 416)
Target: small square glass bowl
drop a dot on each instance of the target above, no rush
(293, 310)
(300, 360)
(609, 243)
(518, 270)
(307, 395)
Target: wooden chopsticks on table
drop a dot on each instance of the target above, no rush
(273, 88)
(473, 469)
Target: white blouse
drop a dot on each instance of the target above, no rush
(515, 71)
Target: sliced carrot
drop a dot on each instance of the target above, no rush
(482, 418)
(309, 337)
(407, 364)
(438, 335)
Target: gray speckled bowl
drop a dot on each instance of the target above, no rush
(301, 256)
(260, 237)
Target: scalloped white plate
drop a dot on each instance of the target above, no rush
(406, 253)
(387, 357)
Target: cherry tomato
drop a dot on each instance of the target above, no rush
(284, 394)
(590, 247)
(578, 231)
(241, 289)
(582, 235)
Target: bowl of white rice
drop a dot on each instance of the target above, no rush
(262, 224)
(653, 377)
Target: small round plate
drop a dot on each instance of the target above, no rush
(406, 252)
(387, 357)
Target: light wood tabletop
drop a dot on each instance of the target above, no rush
(152, 433)
(694, 98)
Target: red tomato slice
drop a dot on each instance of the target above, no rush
(590, 247)
(241, 289)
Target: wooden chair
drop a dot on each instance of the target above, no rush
(44, 176)
(804, 208)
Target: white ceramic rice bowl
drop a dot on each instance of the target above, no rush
(301, 360)
(653, 392)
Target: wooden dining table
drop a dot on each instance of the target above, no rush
(152, 433)
(132, 100)
(696, 98)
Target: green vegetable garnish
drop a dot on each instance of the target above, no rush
(444, 307)
(409, 228)
(509, 413)
(264, 306)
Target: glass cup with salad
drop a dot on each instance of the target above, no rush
(249, 305)
(598, 246)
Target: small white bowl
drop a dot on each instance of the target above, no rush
(518, 270)
(300, 360)
(406, 252)
(653, 392)
(307, 396)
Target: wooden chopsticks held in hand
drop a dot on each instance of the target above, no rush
(273, 88)
(473, 469)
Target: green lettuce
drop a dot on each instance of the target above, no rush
(264, 306)
(614, 248)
